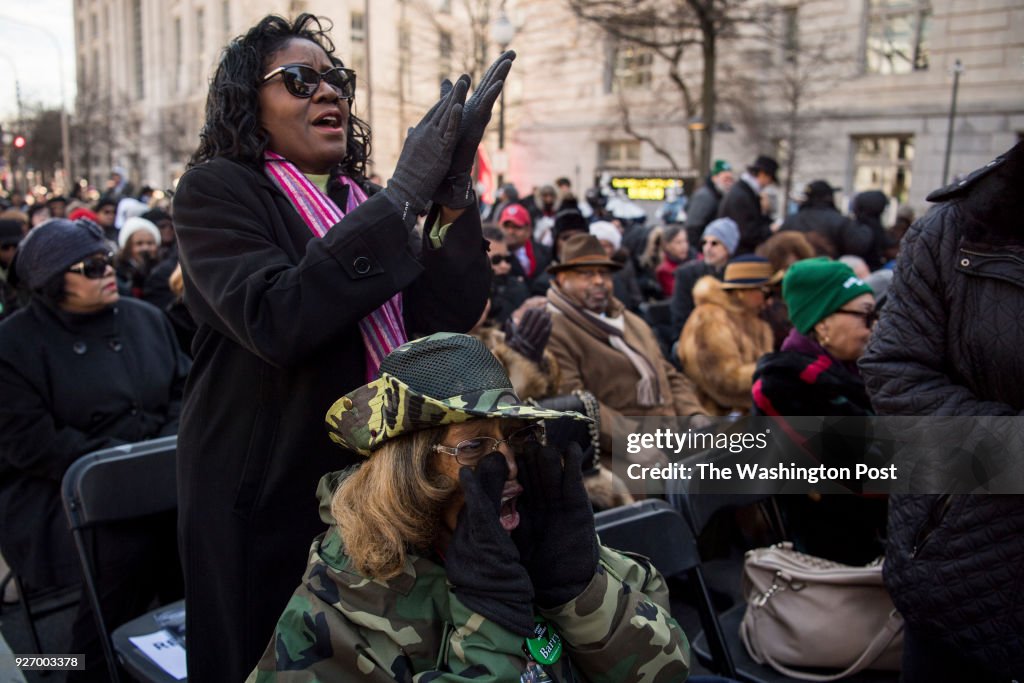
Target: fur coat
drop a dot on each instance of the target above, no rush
(719, 348)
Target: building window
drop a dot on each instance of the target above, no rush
(358, 38)
(404, 61)
(140, 80)
(444, 54)
(897, 36)
(631, 67)
(225, 20)
(883, 162)
(790, 34)
(94, 20)
(618, 154)
(177, 55)
(200, 45)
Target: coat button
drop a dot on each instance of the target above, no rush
(79, 347)
(115, 345)
(361, 265)
(965, 262)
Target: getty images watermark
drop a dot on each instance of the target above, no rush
(819, 454)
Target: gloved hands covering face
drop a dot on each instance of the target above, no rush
(530, 336)
(426, 155)
(456, 191)
(556, 536)
(482, 563)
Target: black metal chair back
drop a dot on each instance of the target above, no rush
(114, 484)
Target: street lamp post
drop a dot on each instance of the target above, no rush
(502, 33)
(958, 68)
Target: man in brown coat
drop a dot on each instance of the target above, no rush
(607, 350)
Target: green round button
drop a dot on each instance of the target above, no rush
(546, 645)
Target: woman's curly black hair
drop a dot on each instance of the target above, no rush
(232, 129)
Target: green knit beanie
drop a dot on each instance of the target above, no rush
(817, 287)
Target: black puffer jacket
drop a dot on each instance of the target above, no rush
(949, 343)
(827, 228)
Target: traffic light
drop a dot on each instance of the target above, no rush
(18, 142)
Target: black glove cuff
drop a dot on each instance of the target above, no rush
(455, 192)
(408, 206)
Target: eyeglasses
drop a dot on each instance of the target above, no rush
(869, 317)
(93, 268)
(470, 451)
(303, 81)
(501, 258)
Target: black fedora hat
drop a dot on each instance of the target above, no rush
(766, 164)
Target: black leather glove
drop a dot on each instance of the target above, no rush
(530, 336)
(482, 563)
(556, 535)
(426, 155)
(456, 191)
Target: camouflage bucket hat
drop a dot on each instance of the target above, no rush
(438, 380)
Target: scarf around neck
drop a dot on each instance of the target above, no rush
(382, 330)
(648, 390)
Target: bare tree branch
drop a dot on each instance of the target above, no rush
(667, 28)
(627, 126)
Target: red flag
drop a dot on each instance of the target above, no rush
(484, 176)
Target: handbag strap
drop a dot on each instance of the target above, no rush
(893, 626)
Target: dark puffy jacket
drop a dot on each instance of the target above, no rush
(949, 343)
(836, 234)
(702, 209)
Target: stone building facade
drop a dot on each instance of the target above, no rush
(876, 75)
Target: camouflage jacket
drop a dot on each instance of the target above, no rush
(341, 626)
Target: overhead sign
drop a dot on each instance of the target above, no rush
(649, 189)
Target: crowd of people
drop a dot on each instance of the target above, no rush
(474, 362)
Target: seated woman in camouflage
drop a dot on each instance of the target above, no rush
(464, 548)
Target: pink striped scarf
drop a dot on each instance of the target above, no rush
(383, 329)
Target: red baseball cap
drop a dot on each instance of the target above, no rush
(82, 212)
(515, 213)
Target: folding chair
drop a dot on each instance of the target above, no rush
(38, 604)
(120, 483)
(653, 529)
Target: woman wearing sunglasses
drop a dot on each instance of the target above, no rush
(463, 547)
(82, 369)
(301, 276)
(815, 373)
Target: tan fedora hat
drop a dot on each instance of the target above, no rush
(749, 271)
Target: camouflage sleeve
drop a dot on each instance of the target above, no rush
(340, 626)
(619, 628)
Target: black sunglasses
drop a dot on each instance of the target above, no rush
(869, 317)
(94, 267)
(303, 81)
(499, 258)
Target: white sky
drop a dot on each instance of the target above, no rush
(28, 30)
